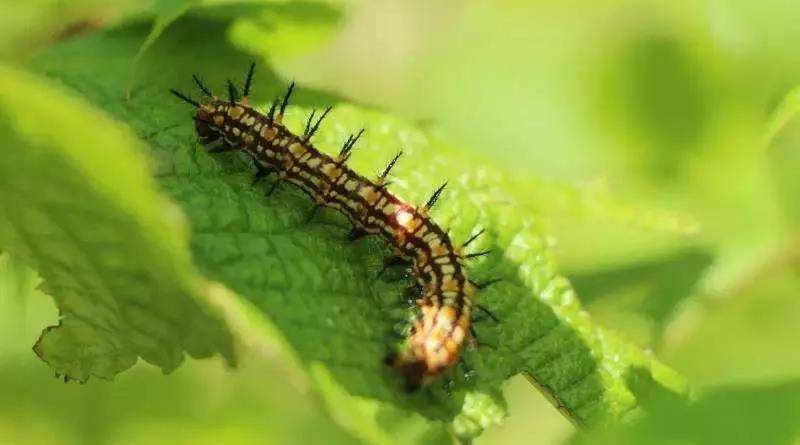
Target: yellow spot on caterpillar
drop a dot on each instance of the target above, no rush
(361, 212)
(443, 260)
(450, 295)
(449, 284)
(331, 171)
(469, 289)
(446, 315)
(235, 112)
(297, 149)
(369, 194)
(458, 334)
(404, 217)
(219, 120)
(268, 132)
(438, 250)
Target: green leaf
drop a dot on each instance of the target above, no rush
(25, 26)
(321, 291)
(167, 11)
(714, 340)
(592, 204)
(781, 142)
(781, 116)
(727, 416)
(78, 204)
(285, 30)
(658, 285)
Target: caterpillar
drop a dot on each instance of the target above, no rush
(444, 294)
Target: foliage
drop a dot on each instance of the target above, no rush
(113, 255)
(152, 248)
(330, 308)
(723, 416)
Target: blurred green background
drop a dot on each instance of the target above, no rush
(665, 138)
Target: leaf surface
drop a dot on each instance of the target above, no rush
(78, 203)
(724, 416)
(322, 291)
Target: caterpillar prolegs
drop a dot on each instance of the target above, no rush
(446, 296)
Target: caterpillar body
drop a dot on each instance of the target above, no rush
(444, 294)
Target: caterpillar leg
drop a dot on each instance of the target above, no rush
(469, 372)
(261, 173)
(393, 261)
(477, 342)
(314, 212)
(413, 293)
(486, 283)
(488, 312)
(355, 234)
(220, 146)
(274, 187)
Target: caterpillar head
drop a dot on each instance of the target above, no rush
(413, 370)
(432, 347)
(208, 119)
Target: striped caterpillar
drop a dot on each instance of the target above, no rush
(444, 294)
